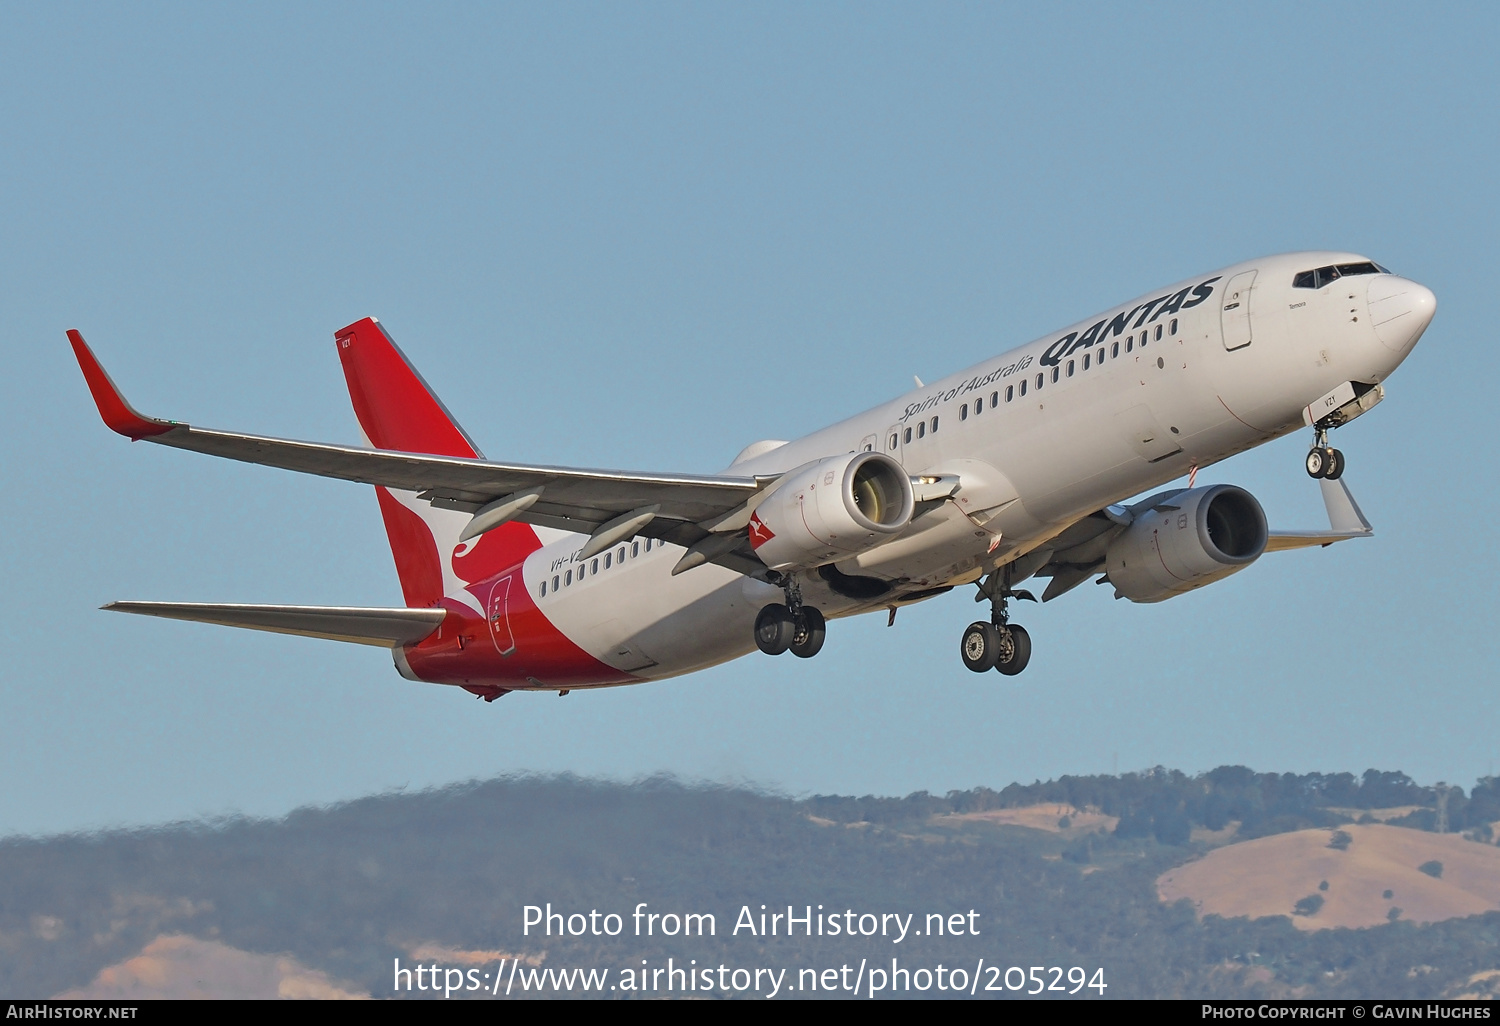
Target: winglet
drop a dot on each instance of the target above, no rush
(118, 414)
(1343, 512)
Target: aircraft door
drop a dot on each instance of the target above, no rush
(1234, 313)
(890, 443)
(499, 616)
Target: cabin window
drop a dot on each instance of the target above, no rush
(1305, 280)
(934, 425)
(1114, 350)
(1158, 333)
(1070, 368)
(1130, 342)
(906, 436)
(921, 428)
(583, 569)
(963, 412)
(568, 578)
(607, 556)
(620, 556)
(894, 440)
(1010, 392)
(556, 582)
(995, 399)
(635, 549)
(1023, 386)
(594, 566)
(979, 405)
(1173, 329)
(1086, 361)
(1056, 373)
(544, 589)
(1099, 357)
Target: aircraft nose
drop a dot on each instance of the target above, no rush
(1400, 310)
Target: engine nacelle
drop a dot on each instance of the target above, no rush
(1185, 541)
(832, 509)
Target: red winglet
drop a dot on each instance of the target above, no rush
(119, 415)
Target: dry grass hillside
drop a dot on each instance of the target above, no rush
(1039, 817)
(1270, 875)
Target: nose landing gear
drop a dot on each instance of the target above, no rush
(998, 644)
(792, 627)
(1324, 461)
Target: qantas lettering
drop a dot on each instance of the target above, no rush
(1072, 342)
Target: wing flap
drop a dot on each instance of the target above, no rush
(357, 624)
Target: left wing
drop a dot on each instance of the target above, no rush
(681, 508)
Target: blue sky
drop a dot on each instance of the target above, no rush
(642, 236)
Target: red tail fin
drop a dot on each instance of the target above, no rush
(397, 411)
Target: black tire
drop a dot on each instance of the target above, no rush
(1014, 656)
(1317, 462)
(1335, 465)
(774, 629)
(980, 646)
(807, 640)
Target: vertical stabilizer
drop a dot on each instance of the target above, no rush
(398, 411)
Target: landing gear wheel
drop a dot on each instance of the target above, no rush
(1335, 465)
(1015, 649)
(809, 633)
(774, 629)
(1317, 461)
(980, 646)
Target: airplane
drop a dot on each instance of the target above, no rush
(536, 578)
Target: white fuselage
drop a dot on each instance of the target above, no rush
(1180, 378)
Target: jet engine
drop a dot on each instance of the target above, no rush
(832, 509)
(1185, 540)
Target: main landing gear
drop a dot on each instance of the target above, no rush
(792, 627)
(998, 644)
(1324, 461)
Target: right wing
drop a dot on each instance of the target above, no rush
(688, 508)
(1345, 521)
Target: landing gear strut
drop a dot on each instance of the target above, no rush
(1324, 461)
(998, 644)
(793, 626)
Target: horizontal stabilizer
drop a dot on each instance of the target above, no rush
(1345, 520)
(361, 625)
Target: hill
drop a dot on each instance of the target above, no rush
(325, 900)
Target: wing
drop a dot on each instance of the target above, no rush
(1345, 521)
(680, 508)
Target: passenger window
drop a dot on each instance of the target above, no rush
(594, 567)
(1023, 386)
(934, 425)
(921, 429)
(1056, 373)
(648, 544)
(1173, 329)
(556, 582)
(1010, 392)
(963, 412)
(1099, 357)
(620, 556)
(1143, 338)
(607, 556)
(635, 549)
(544, 589)
(1086, 360)
(1158, 333)
(1040, 380)
(1070, 368)
(1305, 280)
(894, 440)
(1114, 350)
(568, 578)
(583, 569)
(979, 405)
(1129, 340)
(995, 399)
(906, 436)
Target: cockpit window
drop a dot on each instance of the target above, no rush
(1324, 275)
